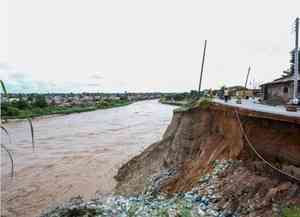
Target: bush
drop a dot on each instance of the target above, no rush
(22, 104)
(205, 103)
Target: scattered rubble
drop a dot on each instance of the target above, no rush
(231, 189)
(236, 188)
(151, 203)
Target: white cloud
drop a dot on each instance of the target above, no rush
(17, 81)
(96, 76)
(149, 45)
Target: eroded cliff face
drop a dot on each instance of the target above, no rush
(199, 136)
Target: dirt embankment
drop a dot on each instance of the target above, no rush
(199, 136)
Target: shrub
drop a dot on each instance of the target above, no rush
(205, 103)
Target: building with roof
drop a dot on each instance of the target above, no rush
(279, 91)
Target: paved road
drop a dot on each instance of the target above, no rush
(251, 105)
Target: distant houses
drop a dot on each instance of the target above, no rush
(77, 99)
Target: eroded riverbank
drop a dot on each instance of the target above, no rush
(266, 145)
(77, 154)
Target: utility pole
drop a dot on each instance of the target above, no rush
(296, 64)
(203, 59)
(247, 77)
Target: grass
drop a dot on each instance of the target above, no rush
(3, 87)
(8, 151)
(32, 133)
(9, 137)
(11, 160)
(4, 147)
(293, 211)
(203, 103)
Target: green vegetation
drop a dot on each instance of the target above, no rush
(180, 97)
(185, 209)
(204, 103)
(3, 87)
(6, 107)
(37, 106)
(293, 211)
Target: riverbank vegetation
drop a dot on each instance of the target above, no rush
(180, 99)
(37, 106)
(187, 100)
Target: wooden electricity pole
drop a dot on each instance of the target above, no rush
(203, 59)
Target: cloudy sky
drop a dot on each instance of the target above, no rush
(94, 45)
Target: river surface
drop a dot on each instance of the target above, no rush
(76, 154)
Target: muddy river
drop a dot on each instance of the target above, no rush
(76, 154)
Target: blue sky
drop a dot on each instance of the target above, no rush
(74, 45)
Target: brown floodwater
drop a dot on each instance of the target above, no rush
(76, 154)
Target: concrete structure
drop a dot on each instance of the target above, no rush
(256, 106)
(279, 91)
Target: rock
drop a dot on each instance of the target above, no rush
(291, 169)
(212, 212)
(227, 213)
(201, 212)
(143, 206)
(277, 210)
(273, 192)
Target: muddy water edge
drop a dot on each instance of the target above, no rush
(75, 154)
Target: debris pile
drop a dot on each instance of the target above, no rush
(151, 203)
(185, 204)
(231, 189)
(247, 190)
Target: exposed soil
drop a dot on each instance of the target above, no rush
(199, 136)
(250, 189)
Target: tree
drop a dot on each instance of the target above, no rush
(40, 101)
(22, 104)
